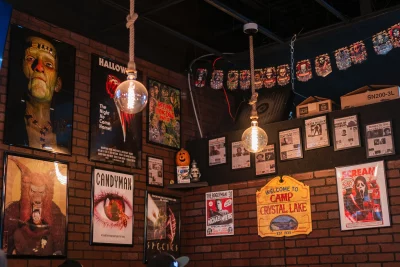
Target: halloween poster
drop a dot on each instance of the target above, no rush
(115, 136)
(40, 94)
(164, 115)
(362, 193)
(219, 213)
(34, 207)
(283, 208)
(162, 225)
(112, 208)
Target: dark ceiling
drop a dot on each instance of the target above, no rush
(214, 30)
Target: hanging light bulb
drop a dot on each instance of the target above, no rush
(131, 95)
(254, 139)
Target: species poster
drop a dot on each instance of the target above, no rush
(346, 132)
(266, 161)
(164, 115)
(115, 136)
(112, 208)
(240, 156)
(284, 208)
(162, 225)
(316, 132)
(219, 213)
(34, 210)
(40, 97)
(362, 193)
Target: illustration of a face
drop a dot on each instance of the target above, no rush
(219, 204)
(361, 187)
(282, 72)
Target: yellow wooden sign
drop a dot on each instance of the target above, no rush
(284, 208)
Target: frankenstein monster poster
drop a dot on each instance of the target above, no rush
(164, 115)
(34, 207)
(115, 136)
(41, 83)
(112, 208)
(162, 225)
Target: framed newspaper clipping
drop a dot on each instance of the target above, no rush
(362, 194)
(290, 144)
(240, 156)
(316, 132)
(379, 139)
(346, 133)
(219, 213)
(217, 151)
(265, 161)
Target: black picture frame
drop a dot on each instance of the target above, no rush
(300, 140)
(275, 162)
(367, 134)
(306, 137)
(233, 155)
(148, 158)
(334, 132)
(148, 252)
(114, 196)
(226, 151)
(57, 215)
(61, 111)
(154, 133)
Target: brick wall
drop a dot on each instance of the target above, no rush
(80, 166)
(325, 246)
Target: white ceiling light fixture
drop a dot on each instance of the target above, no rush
(131, 95)
(254, 139)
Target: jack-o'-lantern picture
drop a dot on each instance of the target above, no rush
(182, 158)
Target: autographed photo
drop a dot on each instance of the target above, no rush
(115, 136)
(35, 207)
(41, 78)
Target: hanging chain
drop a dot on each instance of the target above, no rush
(292, 59)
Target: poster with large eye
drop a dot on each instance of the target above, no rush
(115, 136)
(164, 115)
(40, 94)
(34, 212)
(112, 208)
(362, 193)
(162, 225)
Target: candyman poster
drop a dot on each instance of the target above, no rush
(219, 213)
(112, 208)
(115, 136)
(162, 225)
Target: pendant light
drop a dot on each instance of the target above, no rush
(254, 139)
(131, 95)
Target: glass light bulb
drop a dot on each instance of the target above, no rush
(254, 139)
(131, 96)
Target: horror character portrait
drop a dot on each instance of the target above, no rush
(35, 207)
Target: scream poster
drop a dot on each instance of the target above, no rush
(115, 136)
(162, 225)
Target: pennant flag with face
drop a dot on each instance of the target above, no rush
(233, 79)
(269, 77)
(258, 79)
(245, 79)
(217, 77)
(303, 70)
(382, 43)
(358, 52)
(343, 60)
(323, 65)
(200, 79)
(283, 74)
(394, 33)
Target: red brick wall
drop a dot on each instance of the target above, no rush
(80, 166)
(325, 246)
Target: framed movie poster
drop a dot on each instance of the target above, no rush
(162, 225)
(379, 139)
(290, 144)
(346, 133)
(217, 151)
(155, 171)
(40, 94)
(111, 208)
(115, 136)
(240, 156)
(362, 193)
(35, 207)
(164, 115)
(265, 161)
(316, 132)
(219, 213)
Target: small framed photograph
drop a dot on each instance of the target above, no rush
(290, 144)
(362, 195)
(346, 133)
(240, 156)
(265, 161)
(379, 139)
(217, 151)
(155, 171)
(316, 132)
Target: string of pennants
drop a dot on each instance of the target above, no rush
(383, 42)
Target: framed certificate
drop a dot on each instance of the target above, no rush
(379, 139)
(346, 133)
(290, 144)
(316, 132)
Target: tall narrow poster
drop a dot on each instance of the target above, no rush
(112, 208)
(219, 213)
(162, 225)
(115, 136)
(362, 193)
